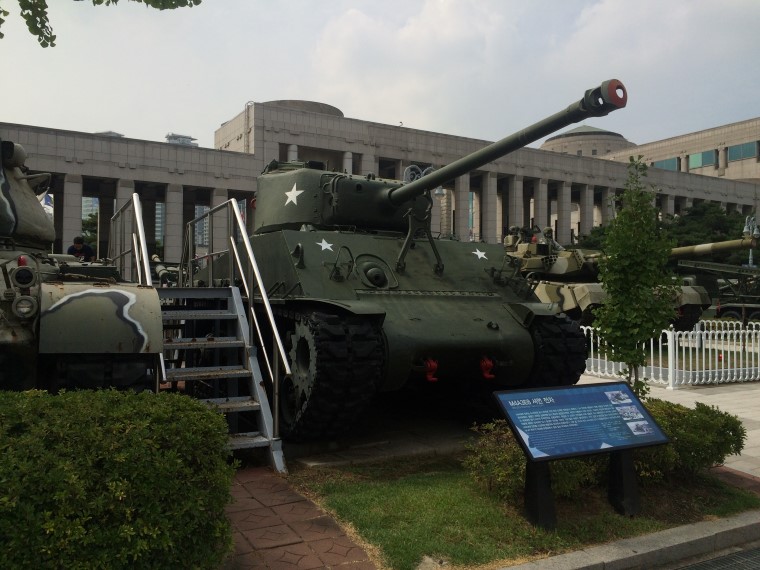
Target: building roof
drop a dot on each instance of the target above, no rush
(585, 130)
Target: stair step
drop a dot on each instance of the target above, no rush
(232, 405)
(206, 373)
(212, 342)
(197, 315)
(248, 440)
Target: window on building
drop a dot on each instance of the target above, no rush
(700, 159)
(579, 152)
(667, 164)
(742, 151)
(593, 152)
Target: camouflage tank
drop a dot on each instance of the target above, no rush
(361, 297)
(570, 277)
(64, 323)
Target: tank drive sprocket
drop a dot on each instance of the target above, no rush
(336, 366)
(561, 351)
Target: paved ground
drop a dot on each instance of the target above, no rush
(279, 529)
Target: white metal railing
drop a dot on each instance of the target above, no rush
(250, 277)
(127, 247)
(714, 352)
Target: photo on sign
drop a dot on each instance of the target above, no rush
(618, 397)
(629, 413)
(640, 428)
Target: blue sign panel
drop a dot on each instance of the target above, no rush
(552, 423)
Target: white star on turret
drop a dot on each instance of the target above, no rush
(480, 254)
(293, 195)
(324, 245)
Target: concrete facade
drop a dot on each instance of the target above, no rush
(569, 192)
(729, 152)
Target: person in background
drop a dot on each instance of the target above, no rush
(81, 250)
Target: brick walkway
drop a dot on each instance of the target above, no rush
(275, 527)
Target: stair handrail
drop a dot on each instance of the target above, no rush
(188, 257)
(134, 259)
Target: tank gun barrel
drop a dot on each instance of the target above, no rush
(703, 249)
(597, 102)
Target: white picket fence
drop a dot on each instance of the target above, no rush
(714, 352)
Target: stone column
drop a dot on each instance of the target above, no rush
(72, 209)
(369, 164)
(608, 205)
(173, 229)
(722, 160)
(292, 152)
(668, 203)
(564, 200)
(688, 203)
(541, 204)
(493, 217)
(348, 162)
(124, 190)
(462, 207)
(446, 213)
(476, 212)
(515, 201)
(220, 237)
(586, 208)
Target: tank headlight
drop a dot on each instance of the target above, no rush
(24, 307)
(23, 277)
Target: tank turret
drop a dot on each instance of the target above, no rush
(360, 297)
(569, 277)
(291, 195)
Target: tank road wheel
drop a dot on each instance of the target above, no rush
(560, 352)
(336, 366)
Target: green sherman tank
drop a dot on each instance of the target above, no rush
(367, 300)
(570, 277)
(64, 323)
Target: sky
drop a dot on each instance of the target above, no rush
(482, 69)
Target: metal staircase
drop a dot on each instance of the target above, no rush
(208, 355)
(208, 349)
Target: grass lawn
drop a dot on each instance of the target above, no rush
(405, 509)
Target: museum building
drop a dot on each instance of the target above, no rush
(567, 184)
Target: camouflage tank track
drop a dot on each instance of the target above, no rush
(336, 365)
(561, 352)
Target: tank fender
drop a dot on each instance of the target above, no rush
(102, 318)
(524, 313)
(364, 308)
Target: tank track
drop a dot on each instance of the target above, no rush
(561, 352)
(347, 364)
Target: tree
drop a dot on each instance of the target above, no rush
(640, 290)
(35, 14)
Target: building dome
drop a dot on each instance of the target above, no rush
(586, 141)
(308, 106)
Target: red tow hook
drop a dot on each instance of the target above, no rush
(431, 366)
(486, 365)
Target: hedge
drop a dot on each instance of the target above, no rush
(108, 479)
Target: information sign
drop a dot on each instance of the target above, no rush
(552, 423)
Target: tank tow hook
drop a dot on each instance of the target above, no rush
(486, 366)
(431, 366)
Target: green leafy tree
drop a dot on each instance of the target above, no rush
(640, 290)
(707, 222)
(90, 229)
(35, 14)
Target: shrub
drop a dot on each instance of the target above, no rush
(497, 462)
(109, 479)
(699, 438)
